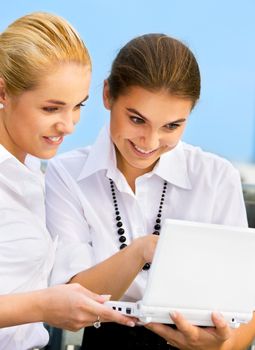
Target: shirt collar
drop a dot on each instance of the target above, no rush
(4, 154)
(171, 166)
(31, 162)
(101, 156)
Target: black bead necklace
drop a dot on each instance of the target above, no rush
(119, 224)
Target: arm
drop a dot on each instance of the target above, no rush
(229, 207)
(242, 337)
(114, 275)
(75, 261)
(66, 306)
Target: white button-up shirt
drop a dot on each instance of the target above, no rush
(201, 187)
(26, 248)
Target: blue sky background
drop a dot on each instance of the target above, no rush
(221, 33)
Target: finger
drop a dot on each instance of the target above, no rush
(115, 316)
(106, 297)
(222, 330)
(107, 314)
(172, 336)
(99, 298)
(187, 329)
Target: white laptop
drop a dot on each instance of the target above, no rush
(198, 268)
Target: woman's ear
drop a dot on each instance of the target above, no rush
(3, 94)
(106, 95)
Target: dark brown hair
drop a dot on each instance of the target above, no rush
(155, 62)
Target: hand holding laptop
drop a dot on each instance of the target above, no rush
(188, 336)
(198, 268)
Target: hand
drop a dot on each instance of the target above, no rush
(73, 307)
(189, 337)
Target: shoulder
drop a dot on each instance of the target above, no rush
(200, 162)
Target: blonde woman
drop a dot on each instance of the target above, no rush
(45, 72)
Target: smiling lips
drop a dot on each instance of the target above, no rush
(53, 140)
(141, 152)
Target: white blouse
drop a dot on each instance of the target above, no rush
(26, 248)
(80, 211)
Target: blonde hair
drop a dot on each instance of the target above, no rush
(35, 43)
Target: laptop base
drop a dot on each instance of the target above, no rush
(159, 314)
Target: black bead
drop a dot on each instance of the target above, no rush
(146, 266)
(119, 224)
(122, 239)
(121, 231)
(157, 227)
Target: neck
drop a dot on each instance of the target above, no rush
(9, 145)
(131, 173)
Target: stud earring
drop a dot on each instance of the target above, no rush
(1, 106)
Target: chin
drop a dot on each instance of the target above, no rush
(44, 155)
(146, 167)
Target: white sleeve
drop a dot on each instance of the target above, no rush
(229, 206)
(23, 266)
(66, 220)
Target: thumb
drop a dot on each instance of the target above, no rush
(222, 328)
(103, 298)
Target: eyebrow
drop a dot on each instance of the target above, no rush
(61, 103)
(132, 110)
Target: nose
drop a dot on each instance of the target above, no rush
(66, 124)
(150, 140)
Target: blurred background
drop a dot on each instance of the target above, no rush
(221, 35)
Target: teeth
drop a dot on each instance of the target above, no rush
(142, 151)
(54, 138)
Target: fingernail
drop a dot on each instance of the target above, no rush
(131, 324)
(106, 297)
(173, 314)
(218, 315)
(220, 318)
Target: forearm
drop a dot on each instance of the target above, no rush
(242, 337)
(114, 275)
(20, 308)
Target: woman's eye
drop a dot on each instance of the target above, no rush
(172, 126)
(80, 105)
(137, 120)
(50, 109)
